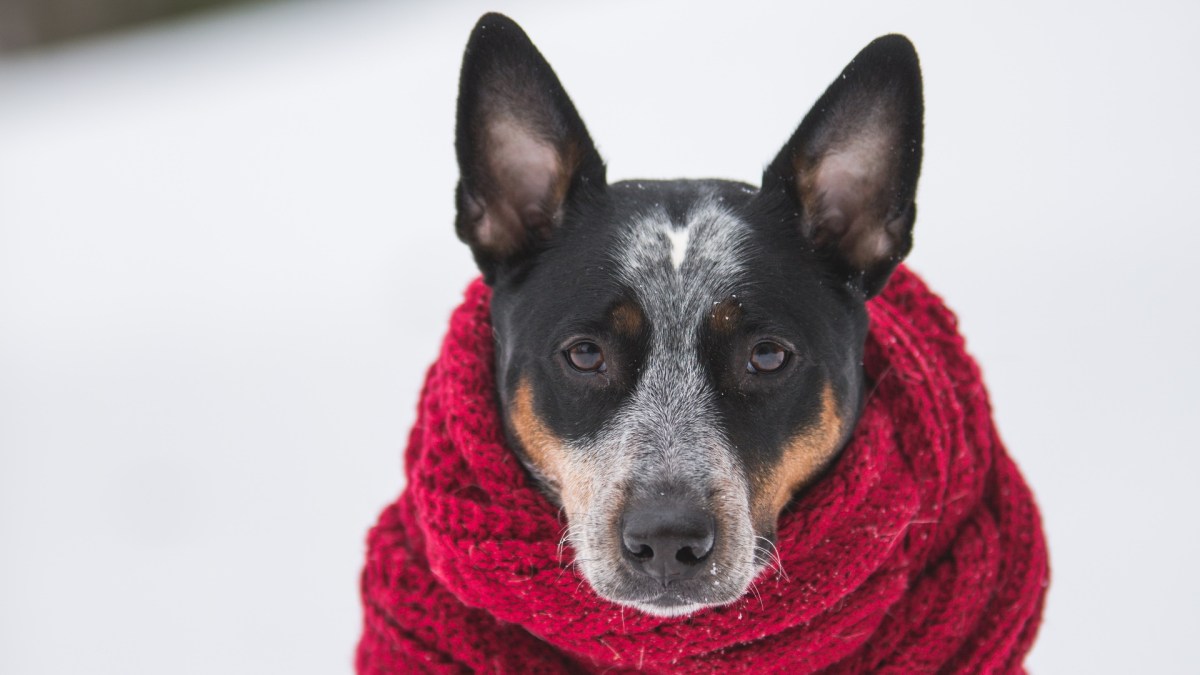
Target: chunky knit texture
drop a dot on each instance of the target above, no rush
(920, 551)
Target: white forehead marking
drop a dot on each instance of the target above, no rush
(679, 244)
(709, 244)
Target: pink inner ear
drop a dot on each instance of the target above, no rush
(526, 174)
(848, 196)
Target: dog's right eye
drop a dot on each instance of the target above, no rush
(766, 357)
(586, 357)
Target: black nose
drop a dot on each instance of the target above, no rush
(667, 539)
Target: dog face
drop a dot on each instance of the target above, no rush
(676, 359)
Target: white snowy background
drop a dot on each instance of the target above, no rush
(226, 258)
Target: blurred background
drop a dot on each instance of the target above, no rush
(226, 258)
(31, 23)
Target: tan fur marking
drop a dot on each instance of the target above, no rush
(547, 453)
(572, 157)
(803, 458)
(724, 316)
(627, 318)
(544, 450)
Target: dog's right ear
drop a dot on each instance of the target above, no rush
(523, 152)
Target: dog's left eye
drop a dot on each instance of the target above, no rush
(766, 357)
(586, 357)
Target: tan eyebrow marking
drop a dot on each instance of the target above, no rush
(627, 318)
(724, 316)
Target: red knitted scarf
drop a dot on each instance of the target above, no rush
(920, 551)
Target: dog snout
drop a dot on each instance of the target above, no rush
(667, 539)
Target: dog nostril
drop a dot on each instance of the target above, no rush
(687, 555)
(644, 552)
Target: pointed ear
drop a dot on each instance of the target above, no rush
(523, 151)
(852, 166)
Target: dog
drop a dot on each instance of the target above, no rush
(676, 360)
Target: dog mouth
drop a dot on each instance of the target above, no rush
(716, 585)
(668, 605)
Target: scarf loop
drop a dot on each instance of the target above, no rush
(920, 550)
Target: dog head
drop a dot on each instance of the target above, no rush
(676, 359)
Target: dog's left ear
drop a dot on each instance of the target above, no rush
(852, 166)
(523, 151)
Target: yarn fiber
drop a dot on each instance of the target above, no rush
(921, 550)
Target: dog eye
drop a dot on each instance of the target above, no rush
(586, 357)
(766, 357)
